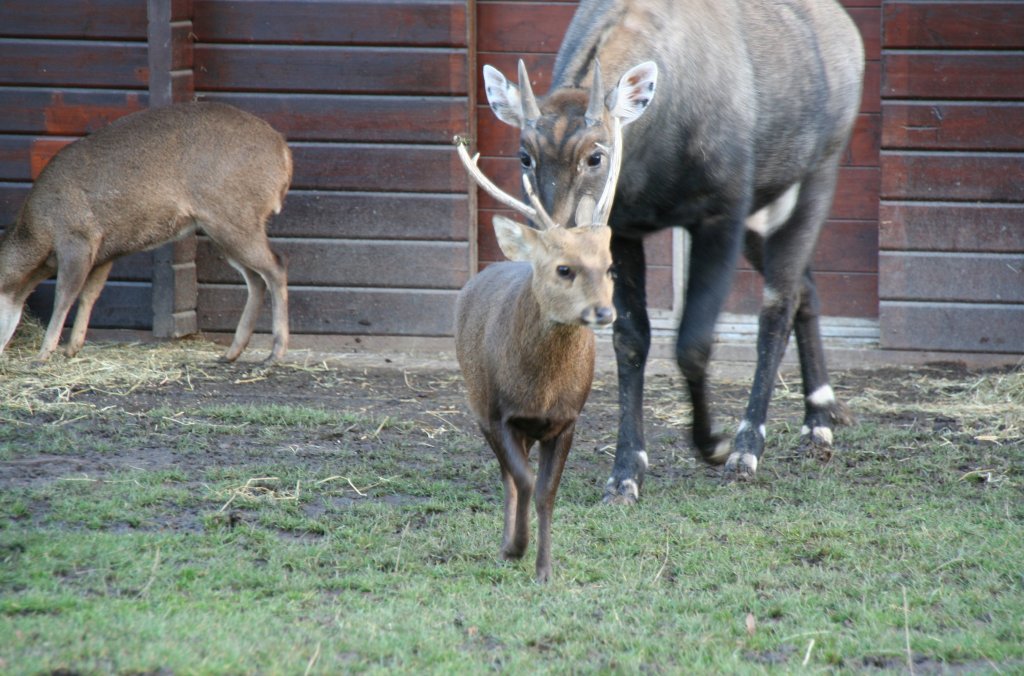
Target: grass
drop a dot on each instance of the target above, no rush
(291, 538)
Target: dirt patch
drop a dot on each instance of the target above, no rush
(108, 432)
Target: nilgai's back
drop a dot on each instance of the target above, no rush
(144, 180)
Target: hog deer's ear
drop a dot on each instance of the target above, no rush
(633, 94)
(517, 240)
(503, 97)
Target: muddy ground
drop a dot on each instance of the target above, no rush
(427, 400)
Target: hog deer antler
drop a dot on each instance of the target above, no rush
(535, 213)
(603, 211)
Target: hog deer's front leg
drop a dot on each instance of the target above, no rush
(553, 454)
(510, 448)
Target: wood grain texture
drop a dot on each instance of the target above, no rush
(967, 327)
(959, 277)
(365, 215)
(842, 294)
(381, 312)
(951, 226)
(913, 175)
(440, 23)
(121, 19)
(959, 25)
(377, 167)
(354, 118)
(73, 63)
(948, 125)
(953, 75)
(354, 263)
(330, 69)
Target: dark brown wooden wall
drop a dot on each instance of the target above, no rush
(67, 68)
(377, 226)
(952, 186)
(847, 261)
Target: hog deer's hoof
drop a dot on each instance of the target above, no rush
(512, 552)
(543, 575)
(740, 467)
(625, 492)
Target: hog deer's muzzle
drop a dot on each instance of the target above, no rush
(598, 316)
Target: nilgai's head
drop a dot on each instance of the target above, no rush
(572, 269)
(565, 137)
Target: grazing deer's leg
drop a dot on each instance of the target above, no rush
(786, 256)
(511, 449)
(251, 255)
(632, 341)
(86, 300)
(12, 303)
(710, 278)
(73, 266)
(553, 454)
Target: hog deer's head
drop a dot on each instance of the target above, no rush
(566, 136)
(572, 267)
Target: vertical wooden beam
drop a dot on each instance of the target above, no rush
(175, 288)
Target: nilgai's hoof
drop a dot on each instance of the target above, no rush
(625, 492)
(740, 467)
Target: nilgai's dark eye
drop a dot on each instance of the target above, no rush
(525, 159)
(594, 160)
(565, 272)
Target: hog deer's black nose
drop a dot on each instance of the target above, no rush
(604, 315)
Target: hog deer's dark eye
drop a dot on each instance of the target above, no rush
(594, 160)
(565, 272)
(525, 159)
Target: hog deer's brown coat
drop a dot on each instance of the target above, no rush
(144, 180)
(524, 341)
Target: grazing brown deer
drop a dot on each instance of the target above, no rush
(147, 179)
(523, 328)
(742, 149)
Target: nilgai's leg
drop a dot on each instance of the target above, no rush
(86, 300)
(549, 474)
(511, 450)
(786, 255)
(821, 408)
(716, 246)
(632, 341)
(73, 267)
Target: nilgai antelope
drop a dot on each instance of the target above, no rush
(523, 330)
(742, 149)
(146, 179)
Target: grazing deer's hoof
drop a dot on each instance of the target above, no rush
(625, 492)
(740, 467)
(543, 575)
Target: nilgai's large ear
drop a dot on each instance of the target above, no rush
(633, 94)
(516, 240)
(503, 97)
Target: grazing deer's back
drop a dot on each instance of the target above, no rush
(165, 165)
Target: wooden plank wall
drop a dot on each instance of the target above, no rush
(846, 264)
(377, 227)
(63, 74)
(952, 186)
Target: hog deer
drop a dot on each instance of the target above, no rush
(523, 330)
(146, 179)
(742, 150)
